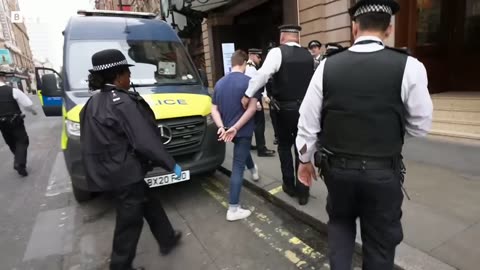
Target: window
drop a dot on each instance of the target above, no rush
(155, 62)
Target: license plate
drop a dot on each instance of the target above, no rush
(167, 179)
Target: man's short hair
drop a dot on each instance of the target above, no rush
(239, 57)
(374, 21)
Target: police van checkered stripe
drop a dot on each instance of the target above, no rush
(110, 65)
(373, 8)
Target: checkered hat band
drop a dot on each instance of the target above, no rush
(110, 65)
(373, 9)
(290, 30)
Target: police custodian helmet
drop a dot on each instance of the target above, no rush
(374, 6)
(107, 59)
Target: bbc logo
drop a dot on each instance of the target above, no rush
(20, 17)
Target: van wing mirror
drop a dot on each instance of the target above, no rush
(203, 76)
(49, 90)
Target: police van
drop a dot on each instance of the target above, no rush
(163, 74)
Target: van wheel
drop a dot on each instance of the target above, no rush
(81, 195)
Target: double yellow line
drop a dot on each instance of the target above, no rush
(280, 239)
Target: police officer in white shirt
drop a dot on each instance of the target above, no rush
(12, 124)
(360, 104)
(315, 48)
(291, 68)
(253, 63)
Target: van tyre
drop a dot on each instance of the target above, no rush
(81, 195)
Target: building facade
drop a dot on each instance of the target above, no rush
(443, 34)
(121, 5)
(15, 46)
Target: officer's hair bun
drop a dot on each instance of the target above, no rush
(95, 81)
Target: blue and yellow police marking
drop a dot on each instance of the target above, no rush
(275, 190)
(279, 238)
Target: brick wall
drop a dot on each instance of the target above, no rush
(208, 51)
(325, 20)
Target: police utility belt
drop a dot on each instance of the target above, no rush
(325, 160)
(15, 118)
(292, 105)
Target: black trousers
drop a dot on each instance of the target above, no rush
(373, 196)
(274, 118)
(16, 138)
(133, 203)
(260, 129)
(287, 133)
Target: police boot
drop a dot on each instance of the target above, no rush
(302, 200)
(265, 152)
(21, 170)
(176, 238)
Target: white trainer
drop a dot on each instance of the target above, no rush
(239, 214)
(255, 175)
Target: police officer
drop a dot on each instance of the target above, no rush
(291, 67)
(253, 63)
(360, 103)
(332, 47)
(11, 122)
(315, 48)
(272, 110)
(120, 143)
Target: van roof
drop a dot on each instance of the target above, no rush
(126, 28)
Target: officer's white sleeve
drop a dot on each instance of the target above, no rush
(23, 100)
(416, 98)
(272, 64)
(310, 116)
(251, 71)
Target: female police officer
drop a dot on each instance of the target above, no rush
(120, 141)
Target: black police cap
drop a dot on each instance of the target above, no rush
(107, 59)
(254, 51)
(314, 43)
(333, 46)
(290, 28)
(374, 6)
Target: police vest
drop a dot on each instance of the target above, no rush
(363, 113)
(8, 105)
(290, 83)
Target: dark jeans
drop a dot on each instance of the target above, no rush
(287, 134)
(16, 138)
(241, 158)
(133, 203)
(260, 129)
(374, 196)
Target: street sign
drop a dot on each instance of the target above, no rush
(227, 50)
(5, 57)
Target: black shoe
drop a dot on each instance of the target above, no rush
(290, 191)
(266, 153)
(138, 268)
(253, 147)
(176, 238)
(21, 170)
(275, 142)
(302, 200)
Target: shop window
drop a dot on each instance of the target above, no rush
(472, 24)
(429, 22)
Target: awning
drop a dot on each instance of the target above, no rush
(205, 6)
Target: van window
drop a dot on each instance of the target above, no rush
(156, 62)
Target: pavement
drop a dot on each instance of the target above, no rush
(43, 228)
(442, 219)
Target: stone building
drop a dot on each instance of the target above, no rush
(15, 45)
